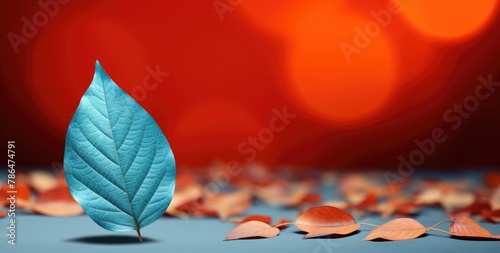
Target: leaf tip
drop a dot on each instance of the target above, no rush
(99, 71)
(98, 66)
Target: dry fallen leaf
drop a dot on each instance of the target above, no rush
(337, 203)
(284, 194)
(282, 223)
(341, 230)
(22, 192)
(360, 202)
(261, 218)
(397, 206)
(397, 230)
(41, 180)
(182, 196)
(456, 199)
(356, 182)
(492, 179)
(446, 186)
(495, 199)
(319, 217)
(311, 198)
(429, 196)
(464, 226)
(252, 229)
(475, 208)
(491, 216)
(226, 205)
(57, 202)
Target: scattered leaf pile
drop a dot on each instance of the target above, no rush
(228, 197)
(327, 220)
(41, 192)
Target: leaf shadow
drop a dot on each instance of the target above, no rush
(464, 238)
(248, 238)
(332, 236)
(110, 239)
(385, 240)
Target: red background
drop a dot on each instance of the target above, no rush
(226, 76)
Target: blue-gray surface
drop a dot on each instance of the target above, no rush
(39, 234)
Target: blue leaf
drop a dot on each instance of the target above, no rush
(118, 164)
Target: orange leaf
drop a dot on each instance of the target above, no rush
(318, 217)
(369, 201)
(261, 218)
(341, 230)
(397, 230)
(474, 208)
(491, 216)
(456, 199)
(311, 198)
(227, 204)
(23, 194)
(284, 194)
(464, 226)
(492, 178)
(337, 203)
(253, 229)
(3, 214)
(282, 223)
(182, 196)
(396, 206)
(430, 196)
(41, 180)
(57, 202)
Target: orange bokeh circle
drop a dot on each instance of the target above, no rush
(449, 19)
(331, 84)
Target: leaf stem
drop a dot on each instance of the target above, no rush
(368, 224)
(439, 223)
(139, 233)
(440, 230)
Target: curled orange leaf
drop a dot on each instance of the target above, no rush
(397, 230)
(57, 202)
(41, 180)
(464, 226)
(491, 216)
(226, 205)
(282, 223)
(262, 218)
(253, 229)
(318, 217)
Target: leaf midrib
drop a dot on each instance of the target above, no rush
(118, 156)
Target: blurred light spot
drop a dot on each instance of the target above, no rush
(449, 19)
(328, 84)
